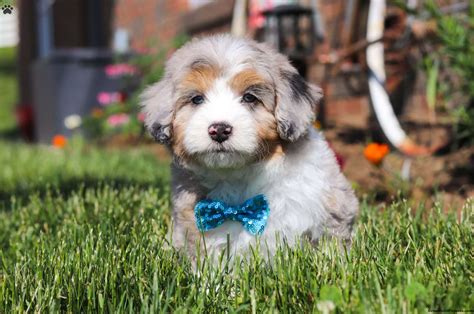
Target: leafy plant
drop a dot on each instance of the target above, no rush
(455, 34)
(120, 116)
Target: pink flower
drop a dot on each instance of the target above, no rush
(141, 117)
(118, 119)
(106, 98)
(120, 69)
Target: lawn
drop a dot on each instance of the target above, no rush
(82, 230)
(8, 89)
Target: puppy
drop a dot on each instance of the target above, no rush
(247, 166)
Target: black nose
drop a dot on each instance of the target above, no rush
(219, 132)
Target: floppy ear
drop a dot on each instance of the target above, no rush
(296, 102)
(157, 105)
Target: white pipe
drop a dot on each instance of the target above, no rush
(375, 61)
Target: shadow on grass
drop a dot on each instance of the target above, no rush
(11, 135)
(65, 188)
(8, 65)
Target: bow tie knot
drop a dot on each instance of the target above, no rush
(252, 214)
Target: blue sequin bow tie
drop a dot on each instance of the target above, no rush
(253, 214)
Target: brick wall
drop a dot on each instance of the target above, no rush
(155, 23)
(150, 23)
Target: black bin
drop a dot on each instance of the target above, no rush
(67, 83)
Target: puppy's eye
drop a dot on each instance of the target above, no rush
(249, 98)
(197, 100)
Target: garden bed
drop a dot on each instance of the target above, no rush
(446, 177)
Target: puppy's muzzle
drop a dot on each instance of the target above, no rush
(219, 132)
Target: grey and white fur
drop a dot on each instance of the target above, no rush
(269, 146)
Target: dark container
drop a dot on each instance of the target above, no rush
(67, 83)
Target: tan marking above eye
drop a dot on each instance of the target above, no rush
(243, 80)
(199, 78)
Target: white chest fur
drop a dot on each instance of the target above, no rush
(296, 186)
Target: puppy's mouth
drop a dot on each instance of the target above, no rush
(221, 156)
(220, 148)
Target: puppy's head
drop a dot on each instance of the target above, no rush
(225, 102)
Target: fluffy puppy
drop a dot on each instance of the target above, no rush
(237, 118)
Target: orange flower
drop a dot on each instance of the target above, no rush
(59, 141)
(97, 113)
(375, 152)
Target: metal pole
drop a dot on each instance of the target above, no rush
(44, 20)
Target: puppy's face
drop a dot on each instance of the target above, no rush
(224, 118)
(227, 102)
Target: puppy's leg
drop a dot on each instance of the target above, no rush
(342, 208)
(186, 192)
(185, 233)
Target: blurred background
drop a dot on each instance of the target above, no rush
(397, 78)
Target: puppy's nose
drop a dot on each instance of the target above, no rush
(219, 132)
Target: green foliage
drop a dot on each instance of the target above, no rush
(8, 89)
(464, 129)
(455, 34)
(83, 230)
(4, 2)
(331, 293)
(98, 124)
(432, 82)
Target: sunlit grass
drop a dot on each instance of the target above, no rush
(83, 229)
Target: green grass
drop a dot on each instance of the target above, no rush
(8, 89)
(82, 230)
